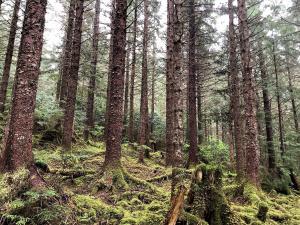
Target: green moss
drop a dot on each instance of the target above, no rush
(90, 209)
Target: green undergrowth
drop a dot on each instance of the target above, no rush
(80, 192)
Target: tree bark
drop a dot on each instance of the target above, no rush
(267, 110)
(132, 79)
(292, 97)
(144, 112)
(169, 83)
(72, 81)
(116, 86)
(92, 82)
(66, 59)
(199, 110)
(234, 81)
(279, 108)
(9, 55)
(153, 90)
(126, 94)
(192, 103)
(177, 113)
(17, 147)
(251, 133)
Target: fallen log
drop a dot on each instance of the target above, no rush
(176, 207)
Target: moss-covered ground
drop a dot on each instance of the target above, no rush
(79, 192)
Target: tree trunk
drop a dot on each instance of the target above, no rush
(192, 103)
(126, 94)
(292, 96)
(132, 79)
(234, 81)
(66, 59)
(144, 114)
(251, 133)
(153, 91)
(169, 84)
(92, 82)
(72, 81)
(267, 110)
(177, 113)
(280, 122)
(116, 86)
(17, 147)
(9, 55)
(199, 111)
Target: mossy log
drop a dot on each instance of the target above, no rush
(206, 199)
(176, 206)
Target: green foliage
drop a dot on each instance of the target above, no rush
(215, 152)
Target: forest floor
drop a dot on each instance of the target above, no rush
(80, 193)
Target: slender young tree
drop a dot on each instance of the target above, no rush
(234, 81)
(132, 78)
(251, 132)
(116, 85)
(153, 77)
(144, 111)
(267, 109)
(17, 147)
(67, 54)
(72, 81)
(89, 123)
(279, 107)
(292, 97)
(9, 55)
(192, 99)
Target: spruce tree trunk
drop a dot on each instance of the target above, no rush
(169, 84)
(72, 81)
(267, 110)
(116, 85)
(251, 133)
(17, 147)
(9, 55)
(292, 96)
(234, 81)
(199, 111)
(153, 91)
(126, 94)
(279, 107)
(192, 101)
(132, 79)
(144, 114)
(66, 59)
(92, 82)
(177, 110)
